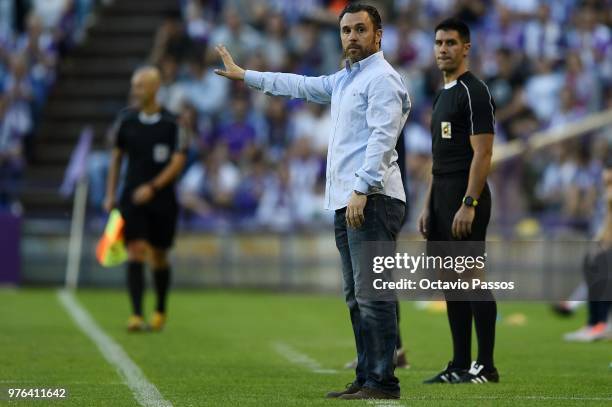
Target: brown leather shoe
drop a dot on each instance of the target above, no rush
(351, 388)
(367, 393)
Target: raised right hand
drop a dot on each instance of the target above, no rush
(232, 71)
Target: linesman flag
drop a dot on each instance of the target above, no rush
(111, 251)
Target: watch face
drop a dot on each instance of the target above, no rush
(469, 201)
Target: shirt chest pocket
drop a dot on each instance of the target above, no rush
(357, 104)
(161, 153)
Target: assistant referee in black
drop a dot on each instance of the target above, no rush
(458, 204)
(155, 146)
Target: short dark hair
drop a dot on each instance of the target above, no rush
(455, 24)
(371, 10)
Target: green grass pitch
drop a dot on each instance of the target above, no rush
(221, 349)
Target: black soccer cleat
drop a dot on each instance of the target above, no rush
(477, 375)
(450, 375)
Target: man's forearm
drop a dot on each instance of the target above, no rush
(370, 174)
(313, 89)
(479, 170)
(113, 174)
(170, 172)
(386, 113)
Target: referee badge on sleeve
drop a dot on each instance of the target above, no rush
(446, 129)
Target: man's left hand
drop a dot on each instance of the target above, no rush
(462, 224)
(143, 194)
(354, 210)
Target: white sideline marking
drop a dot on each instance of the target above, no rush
(144, 391)
(301, 359)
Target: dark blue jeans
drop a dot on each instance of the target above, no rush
(374, 322)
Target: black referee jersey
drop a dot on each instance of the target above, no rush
(149, 141)
(462, 109)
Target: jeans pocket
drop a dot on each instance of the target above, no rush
(371, 207)
(394, 213)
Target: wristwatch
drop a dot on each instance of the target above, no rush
(469, 201)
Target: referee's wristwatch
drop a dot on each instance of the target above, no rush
(469, 201)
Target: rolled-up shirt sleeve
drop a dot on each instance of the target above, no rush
(314, 89)
(388, 107)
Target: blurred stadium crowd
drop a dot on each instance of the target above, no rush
(258, 161)
(33, 36)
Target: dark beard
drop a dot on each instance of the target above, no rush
(365, 52)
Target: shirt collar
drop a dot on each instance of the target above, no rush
(453, 83)
(149, 119)
(359, 65)
(450, 84)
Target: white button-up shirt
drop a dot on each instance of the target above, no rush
(369, 106)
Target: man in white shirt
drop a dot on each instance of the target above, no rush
(369, 106)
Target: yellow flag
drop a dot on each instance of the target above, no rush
(111, 251)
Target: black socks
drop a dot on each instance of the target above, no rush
(460, 320)
(161, 278)
(135, 283)
(485, 316)
(136, 286)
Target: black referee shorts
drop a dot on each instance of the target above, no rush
(447, 193)
(155, 225)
